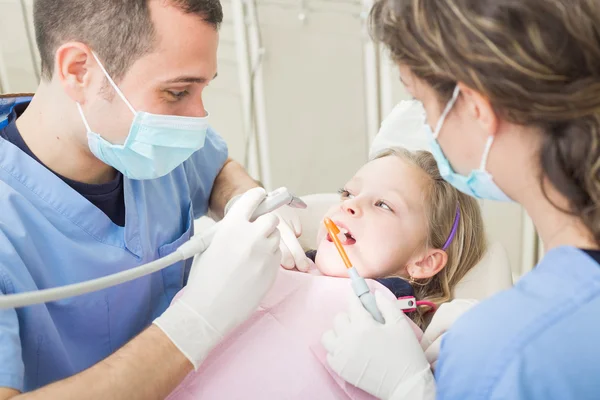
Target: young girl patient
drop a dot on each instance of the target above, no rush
(406, 227)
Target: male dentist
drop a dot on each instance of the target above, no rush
(104, 169)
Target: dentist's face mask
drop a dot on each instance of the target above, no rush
(479, 183)
(156, 144)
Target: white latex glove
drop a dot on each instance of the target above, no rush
(442, 320)
(290, 228)
(292, 254)
(227, 283)
(384, 360)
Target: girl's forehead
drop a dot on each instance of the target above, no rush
(392, 171)
(394, 175)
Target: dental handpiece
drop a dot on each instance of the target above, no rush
(361, 289)
(274, 200)
(359, 285)
(196, 245)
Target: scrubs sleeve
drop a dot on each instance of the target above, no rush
(12, 370)
(202, 169)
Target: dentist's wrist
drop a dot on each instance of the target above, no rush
(230, 203)
(235, 198)
(189, 332)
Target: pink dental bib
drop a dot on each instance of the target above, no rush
(277, 354)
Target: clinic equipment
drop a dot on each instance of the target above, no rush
(196, 245)
(358, 283)
(409, 304)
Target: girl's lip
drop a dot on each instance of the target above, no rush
(350, 239)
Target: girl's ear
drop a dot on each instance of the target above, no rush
(428, 264)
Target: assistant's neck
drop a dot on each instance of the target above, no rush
(53, 131)
(521, 179)
(555, 226)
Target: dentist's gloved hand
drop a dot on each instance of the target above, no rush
(290, 228)
(292, 254)
(442, 320)
(384, 360)
(227, 283)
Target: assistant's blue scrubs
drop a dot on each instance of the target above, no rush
(54, 232)
(538, 340)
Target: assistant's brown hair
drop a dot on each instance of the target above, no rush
(538, 63)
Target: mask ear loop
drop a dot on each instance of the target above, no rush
(440, 123)
(87, 126)
(114, 85)
(486, 152)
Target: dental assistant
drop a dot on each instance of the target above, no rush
(105, 169)
(512, 92)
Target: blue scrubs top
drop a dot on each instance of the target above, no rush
(538, 340)
(50, 235)
(108, 196)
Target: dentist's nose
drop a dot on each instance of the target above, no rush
(197, 108)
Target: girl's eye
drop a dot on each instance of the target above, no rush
(345, 194)
(382, 204)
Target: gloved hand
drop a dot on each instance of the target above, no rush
(442, 320)
(292, 254)
(227, 283)
(290, 228)
(384, 360)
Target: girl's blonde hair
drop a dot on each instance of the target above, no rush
(469, 243)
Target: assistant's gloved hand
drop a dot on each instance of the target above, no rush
(290, 227)
(442, 320)
(384, 360)
(227, 283)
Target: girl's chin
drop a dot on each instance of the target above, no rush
(327, 270)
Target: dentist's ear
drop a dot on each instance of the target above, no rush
(72, 69)
(479, 108)
(428, 264)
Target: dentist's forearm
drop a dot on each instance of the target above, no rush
(231, 181)
(148, 367)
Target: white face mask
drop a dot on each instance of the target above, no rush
(156, 144)
(479, 183)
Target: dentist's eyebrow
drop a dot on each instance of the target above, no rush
(190, 79)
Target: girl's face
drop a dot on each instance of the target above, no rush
(382, 208)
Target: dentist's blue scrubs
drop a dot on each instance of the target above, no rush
(54, 231)
(538, 340)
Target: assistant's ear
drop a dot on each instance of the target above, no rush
(72, 68)
(479, 107)
(428, 264)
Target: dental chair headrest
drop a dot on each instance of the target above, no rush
(402, 128)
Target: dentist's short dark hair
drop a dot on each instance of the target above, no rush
(119, 31)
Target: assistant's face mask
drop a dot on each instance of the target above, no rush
(156, 144)
(479, 183)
